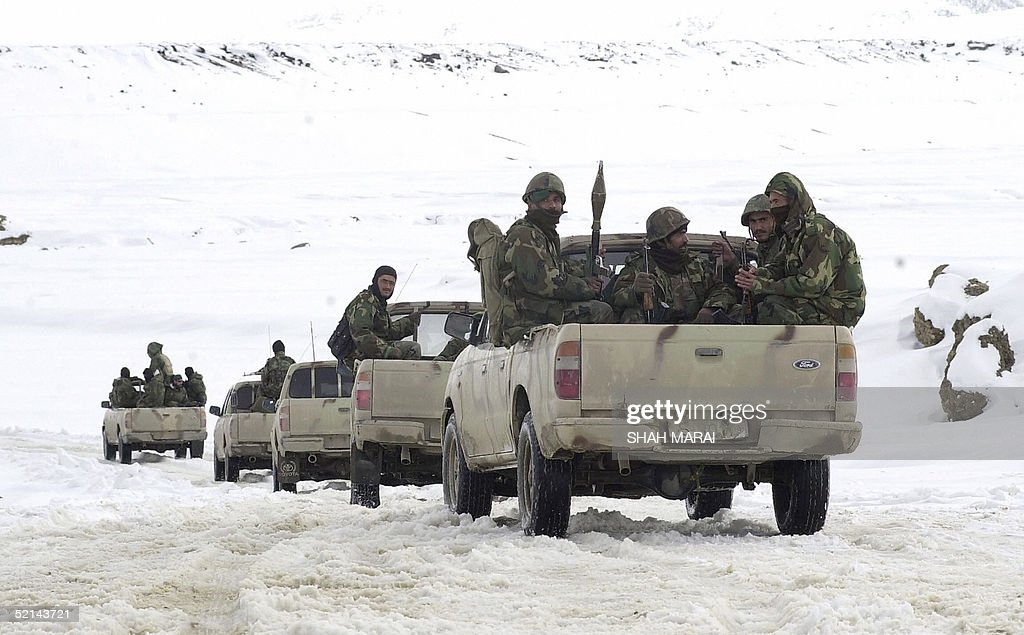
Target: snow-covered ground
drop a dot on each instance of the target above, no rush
(217, 178)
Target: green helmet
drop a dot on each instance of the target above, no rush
(757, 203)
(544, 181)
(665, 221)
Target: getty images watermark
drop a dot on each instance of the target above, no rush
(696, 422)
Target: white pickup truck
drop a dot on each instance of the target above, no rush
(396, 432)
(626, 410)
(160, 429)
(241, 437)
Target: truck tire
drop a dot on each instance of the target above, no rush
(706, 504)
(232, 466)
(125, 450)
(195, 449)
(109, 449)
(365, 466)
(544, 486)
(218, 469)
(365, 494)
(465, 491)
(181, 452)
(800, 492)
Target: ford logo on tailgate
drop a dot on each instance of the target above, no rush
(806, 364)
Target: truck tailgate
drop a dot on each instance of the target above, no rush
(320, 416)
(167, 419)
(408, 389)
(786, 369)
(252, 427)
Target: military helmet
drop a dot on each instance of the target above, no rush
(757, 203)
(544, 181)
(664, 222)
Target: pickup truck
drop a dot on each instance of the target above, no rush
(626, 410)
(396, 432)
(241, 437)
(128, 429)
(311, 434)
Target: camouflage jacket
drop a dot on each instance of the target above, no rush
(158, 362)
(124, 394)
(766, 252)
(272, 375)
(451, 350)
(537, 282)
(196, 389)
(677, 298)
(817, 260)
(372, 329)
(175, 397)
(152, 394)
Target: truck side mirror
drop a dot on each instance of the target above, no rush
(105, 404)
(459, 326)
(215, 411)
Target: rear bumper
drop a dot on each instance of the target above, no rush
(391, 432)
(767, 440)
(164, 437)
(261, 450)
(328, 445)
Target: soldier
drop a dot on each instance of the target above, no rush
(158, 362)
(124, 394)
(760, 222)
(175, 395)
(272, 376)
(195, 387)
(538, 285)
(682, 285)
(816, 277)
(374, 334)
(153, 393)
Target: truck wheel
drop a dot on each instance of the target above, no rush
(465, 491)
(218, 469)
(109, 449)
(544, 486)
(365, 494)
(195, 449)
(181, 452)
(125, 450)
(800, 496)
(232, 466)
(706, 504)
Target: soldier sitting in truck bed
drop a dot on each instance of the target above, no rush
(124, 393)
(153, 393)
(175, 395)
(681, 286)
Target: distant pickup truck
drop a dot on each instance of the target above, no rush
(396, 432)
(241, 437)
(311, 436)
(160, 429)
(625, 410)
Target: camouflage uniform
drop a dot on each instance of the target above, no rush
(196, 389)
(451, 350)
(153, 393)
(272, 376)
(124, 394)
(375, 335)
(816, 278)
(538, 285)
(175, 395)
(158, 362)
(677, 296)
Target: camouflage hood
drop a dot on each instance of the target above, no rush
(154, 348)
(480, 231)
(801, 207)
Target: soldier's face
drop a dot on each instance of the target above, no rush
(761, 225)
(386, 285)
(678, 240)
(552, 204)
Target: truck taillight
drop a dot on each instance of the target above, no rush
(567, 370)
(128, 419)
(846, 372)
(363, 391)
(283, 418)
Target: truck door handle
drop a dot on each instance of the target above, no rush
(709, 352)
(483, 369)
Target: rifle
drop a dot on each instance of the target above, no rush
(597, 198)
(648, 297)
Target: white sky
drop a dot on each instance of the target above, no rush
(163, 200)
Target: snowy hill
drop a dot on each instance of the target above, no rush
(215, 178)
